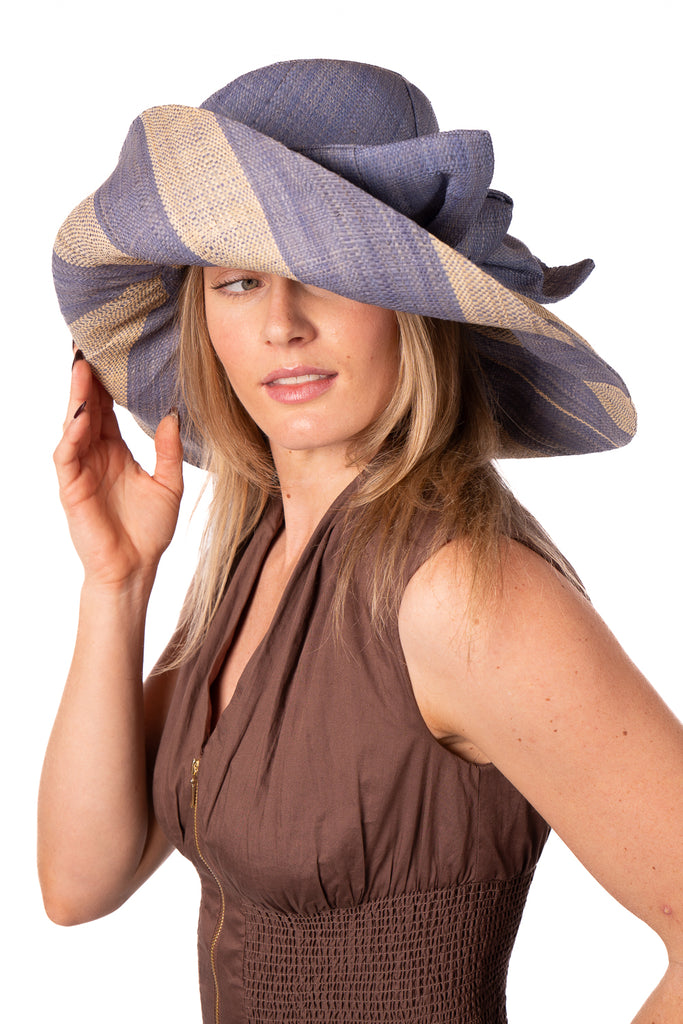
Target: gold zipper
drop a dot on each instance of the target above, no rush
(194, 782)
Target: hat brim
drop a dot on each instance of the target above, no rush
(193, 187)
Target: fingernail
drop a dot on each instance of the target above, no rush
(79, 355)
(80, 409)
(175, 413)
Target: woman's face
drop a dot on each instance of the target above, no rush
(311, 368)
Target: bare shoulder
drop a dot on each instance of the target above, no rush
(537, 641)
(456, 644)
(534, 680)
(531, 611)
(443, 585)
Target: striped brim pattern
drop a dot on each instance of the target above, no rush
(194, 186)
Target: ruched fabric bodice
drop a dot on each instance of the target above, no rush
(352, 869)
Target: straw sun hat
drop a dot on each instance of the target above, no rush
(334, 174)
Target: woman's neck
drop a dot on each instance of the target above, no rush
(309, 483)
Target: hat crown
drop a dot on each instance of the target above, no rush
(311, 103)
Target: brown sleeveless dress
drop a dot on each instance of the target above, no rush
(352, 869)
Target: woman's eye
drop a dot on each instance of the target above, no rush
(241, 284)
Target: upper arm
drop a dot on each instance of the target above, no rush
(538, 683)
(158, 691)
(157, 695)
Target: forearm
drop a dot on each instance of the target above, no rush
(665, 1005)
(93, 813)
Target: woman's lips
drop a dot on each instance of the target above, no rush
(298, 383)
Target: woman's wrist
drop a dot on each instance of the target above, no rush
(115, 613)
(133, 589)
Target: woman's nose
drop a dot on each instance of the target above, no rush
(287, 321)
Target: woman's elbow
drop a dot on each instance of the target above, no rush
(67, 903)
(65, 913)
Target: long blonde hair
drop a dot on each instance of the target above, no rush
(432, 449)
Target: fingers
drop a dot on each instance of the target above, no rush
(81, 386)
(77, 425)
(89, 405)
(169, 454)
(91, 435)
(87, 394)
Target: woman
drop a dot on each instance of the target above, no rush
(386, 680)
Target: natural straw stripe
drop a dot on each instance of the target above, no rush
(107, 334)
(81, 242)
(489, 302)
(203, 188)
(612, 401)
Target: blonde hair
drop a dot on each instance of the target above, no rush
(431, 450)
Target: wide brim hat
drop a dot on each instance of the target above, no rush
(334, 174)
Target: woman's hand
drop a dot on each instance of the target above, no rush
(121, 519)
(97, 839)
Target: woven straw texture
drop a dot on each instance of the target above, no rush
(334, 174)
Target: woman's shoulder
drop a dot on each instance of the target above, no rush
(462, 635)
(447, 588)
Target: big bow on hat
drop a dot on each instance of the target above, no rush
(335, 174)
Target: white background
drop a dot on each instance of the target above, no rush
(583, 103)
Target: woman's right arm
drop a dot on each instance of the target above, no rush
(97, 838)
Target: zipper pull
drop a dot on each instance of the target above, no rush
(194, 780)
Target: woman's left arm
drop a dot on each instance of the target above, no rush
(535, 681)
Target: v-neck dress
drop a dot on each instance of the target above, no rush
(352, 869)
